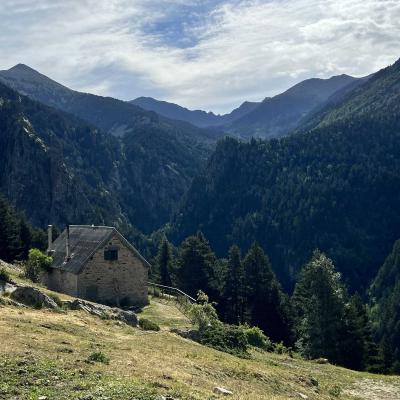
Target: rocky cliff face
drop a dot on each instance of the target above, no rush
(59, 169)
(55, 168)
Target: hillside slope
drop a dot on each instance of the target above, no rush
(278, 115)
(336, 188)
(377, 97)
(47, 353)
(59, 169)
(55, 167)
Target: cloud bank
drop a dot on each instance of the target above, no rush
(202, 54)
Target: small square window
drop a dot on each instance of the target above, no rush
(111, 255)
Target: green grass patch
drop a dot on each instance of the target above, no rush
(98, 356)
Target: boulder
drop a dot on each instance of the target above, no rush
(129, 317)
(32, 297)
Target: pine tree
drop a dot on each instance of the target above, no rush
(385, 293)
(319, 299)
(197, 266)
(267, 306)
(164, 262)
(234, 291)
(356, 346)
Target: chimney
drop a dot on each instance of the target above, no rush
(49, 238)
(67, 249)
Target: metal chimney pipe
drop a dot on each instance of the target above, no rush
(49, 238)
(67, 249)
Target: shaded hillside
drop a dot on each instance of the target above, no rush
(144, 173)
(378, 97)
(196, 117)
(336, 188)
(279, 115)
(55, 167)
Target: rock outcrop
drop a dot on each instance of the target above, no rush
(32, 297)
(102, 311)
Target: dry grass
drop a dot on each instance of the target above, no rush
(58, 345)
(45, 353)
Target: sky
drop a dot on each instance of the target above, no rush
(209, 54)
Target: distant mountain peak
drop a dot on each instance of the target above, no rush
(22, 67)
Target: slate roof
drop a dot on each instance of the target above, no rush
(84, 241)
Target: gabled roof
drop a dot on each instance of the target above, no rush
(84, 241)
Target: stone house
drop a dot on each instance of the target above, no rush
(97, 263)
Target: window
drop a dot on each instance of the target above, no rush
(111, 254)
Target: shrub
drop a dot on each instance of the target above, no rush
(227, 338)
(4, 275)
(37, 262)
(256, 337)
(203, 314)
(148, 325)
(280, 348)
(98, 356)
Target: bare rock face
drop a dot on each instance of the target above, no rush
(102, 311)
(32, 297)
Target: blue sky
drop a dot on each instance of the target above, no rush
(210, 54)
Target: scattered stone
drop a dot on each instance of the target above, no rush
(32, 297)
(222, 391)
(321, 361)
(302, 396)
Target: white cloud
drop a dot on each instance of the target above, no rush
(237, 50)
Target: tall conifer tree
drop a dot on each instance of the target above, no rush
(164, 262)
(319, 298)
(267, 306)
(234, 291)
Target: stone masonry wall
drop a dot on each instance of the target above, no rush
(62, 281)
(120, 282)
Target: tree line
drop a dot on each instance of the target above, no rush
(17, 236)
(320, 319)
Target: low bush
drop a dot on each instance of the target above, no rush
(4, 275)
(280, 348)
(228, 338)
(98, 356)
(148, 325)
(256, 337)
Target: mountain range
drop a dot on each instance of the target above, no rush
(75, 156)
(273, 117)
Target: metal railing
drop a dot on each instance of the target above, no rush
(172, 294)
